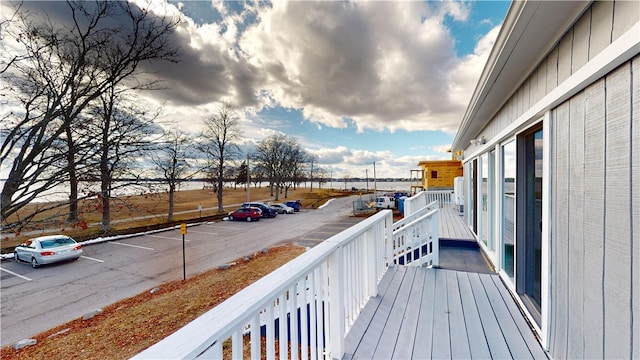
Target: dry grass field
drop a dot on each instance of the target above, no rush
(139, 211)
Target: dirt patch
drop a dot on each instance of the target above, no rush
(129, 326)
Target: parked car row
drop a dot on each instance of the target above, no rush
(252, 211)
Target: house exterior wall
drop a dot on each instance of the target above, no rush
(438, 175)
(593, 281)
(595, 212)
(594, 31)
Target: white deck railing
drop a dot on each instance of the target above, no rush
(423, 198)
(416, 237)
(306, 307)
(328, 286)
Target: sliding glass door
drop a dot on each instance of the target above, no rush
(529, 225)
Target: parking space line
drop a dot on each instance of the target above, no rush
(135, 246)
(90, 258)
(18, 275)
(166, 237)
(221, 227)
(201, 232)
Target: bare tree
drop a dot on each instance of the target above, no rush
(170, 159)
(295, 166)
(321, 176)
(61, 70)
(242, 175)
(218, 143)
(124, 135)
(281, 157)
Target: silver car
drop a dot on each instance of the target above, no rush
(48, 249)
(282, 208)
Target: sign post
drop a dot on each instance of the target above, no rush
(183, 231)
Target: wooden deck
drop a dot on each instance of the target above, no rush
(424, 313)
(452, 225)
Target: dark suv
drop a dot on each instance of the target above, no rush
(267, 212)
(296, 205)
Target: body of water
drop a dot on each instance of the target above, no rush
(61, 193)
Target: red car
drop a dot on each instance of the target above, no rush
(246, 213)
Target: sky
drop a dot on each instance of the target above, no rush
(353, 82)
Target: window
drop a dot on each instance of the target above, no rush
(434, 174)
(486, 203)
(508, 207)
(471, 195)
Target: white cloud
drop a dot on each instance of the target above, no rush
(370, 65)
(383, 65)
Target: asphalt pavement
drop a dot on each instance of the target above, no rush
(34, 300)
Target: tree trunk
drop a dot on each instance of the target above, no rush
(172, 190)
(220, 185)
(106, 204)
(73, 178)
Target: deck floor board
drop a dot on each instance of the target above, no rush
(437, 313)
(452, 225)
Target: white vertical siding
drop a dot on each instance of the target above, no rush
(601, 25)
(575, 260)
(594, 161)
(581, 36)
(560, 231)
(564, 57)
(635, 206)
(617, 237)
(625, 15)
(594, 292)
(552, 69)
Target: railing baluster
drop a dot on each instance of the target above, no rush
(335, 306)
(323, 315)
(271, 336)
(293, 320)
(304, 318)
(255, 337)
(283, 342)
(237, 347)
(313, 312)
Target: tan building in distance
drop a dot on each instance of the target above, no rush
(439, 174)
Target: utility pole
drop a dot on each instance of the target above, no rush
(248, 180)
(366, 174)
(375, 184)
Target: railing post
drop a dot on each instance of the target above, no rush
(435, 231)
(336, 304)
(388, 241)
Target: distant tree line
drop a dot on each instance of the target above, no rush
(78, 120)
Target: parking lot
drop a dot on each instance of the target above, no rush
(34, 300)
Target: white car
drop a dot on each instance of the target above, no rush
(282, 208)
(48, 249)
